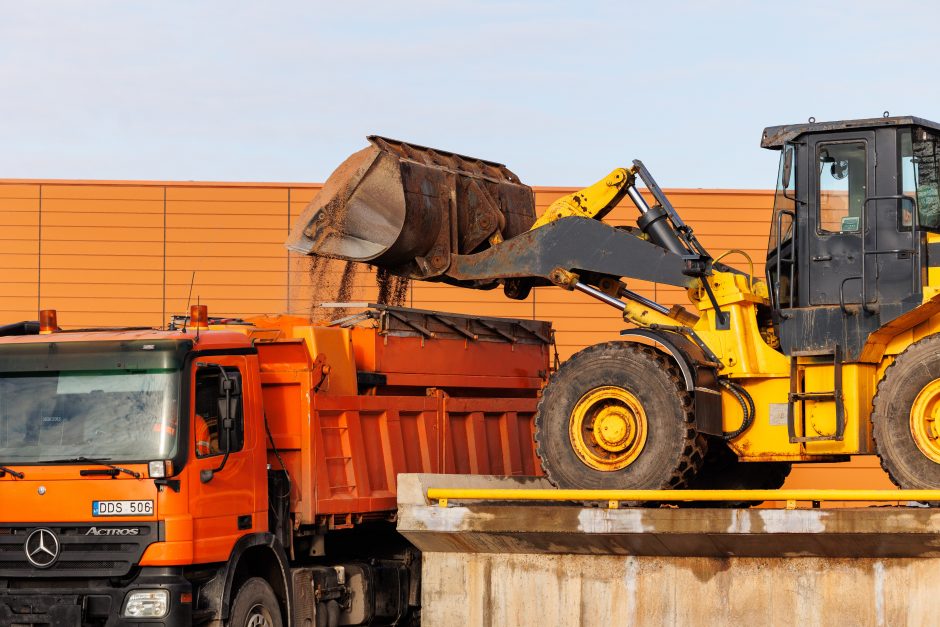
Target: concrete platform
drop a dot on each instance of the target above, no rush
(557, 564)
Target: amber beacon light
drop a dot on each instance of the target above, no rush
(48, 322)
(199, 316)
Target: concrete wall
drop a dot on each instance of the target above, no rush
(489, 563)
(485, 589)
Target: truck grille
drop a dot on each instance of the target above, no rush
(81, 552)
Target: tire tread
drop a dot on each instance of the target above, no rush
(695, 444)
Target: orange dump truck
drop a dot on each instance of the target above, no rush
(244, 472)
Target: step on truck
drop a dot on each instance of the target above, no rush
(231, 472)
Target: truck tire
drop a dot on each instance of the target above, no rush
(255, 606)
(722, 470)
(616, 416)
(904, 411)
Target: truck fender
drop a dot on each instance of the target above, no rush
(698, 375)
(218, 594)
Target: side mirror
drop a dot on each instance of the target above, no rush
(786, 176)
(906, 208)
(228, 421)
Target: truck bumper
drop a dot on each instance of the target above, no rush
(50, 604)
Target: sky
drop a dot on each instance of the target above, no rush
(561, 92)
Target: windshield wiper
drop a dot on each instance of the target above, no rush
(4, 470)
(115, 470)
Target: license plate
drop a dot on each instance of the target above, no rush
(122, 508)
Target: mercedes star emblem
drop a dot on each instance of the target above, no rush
(42, 548)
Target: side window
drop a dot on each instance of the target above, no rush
(784, 198)
(209, 434)
(842, 186)
(920, 178)
(780, 269)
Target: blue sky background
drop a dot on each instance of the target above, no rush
(560, 92)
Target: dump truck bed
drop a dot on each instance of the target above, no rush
(396, 390)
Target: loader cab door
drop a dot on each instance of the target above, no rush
(842, 177)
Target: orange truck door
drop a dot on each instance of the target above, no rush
(223, 501)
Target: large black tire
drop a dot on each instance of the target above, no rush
(255, 606)
(673, 450)
(914, 370)
(722, 470)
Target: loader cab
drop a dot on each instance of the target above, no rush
(854, 203)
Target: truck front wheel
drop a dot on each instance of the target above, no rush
(616, 416)
(255, 606)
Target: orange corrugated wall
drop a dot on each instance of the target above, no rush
(125, 253)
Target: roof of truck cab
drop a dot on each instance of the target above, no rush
(202, 340)
(775, 137)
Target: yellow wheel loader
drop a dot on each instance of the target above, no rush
(834, 352)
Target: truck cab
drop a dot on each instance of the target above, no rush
(244, 473)
(128, 456)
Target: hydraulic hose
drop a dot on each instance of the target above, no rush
(748, 408)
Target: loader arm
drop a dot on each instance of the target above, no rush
(432, 215)
(573, 244)
(595, 201)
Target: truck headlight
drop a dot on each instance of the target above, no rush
(146, 604)
(157, 469)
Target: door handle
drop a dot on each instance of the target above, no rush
(822, 258)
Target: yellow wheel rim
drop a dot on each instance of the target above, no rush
(925, 420)
(607, 428)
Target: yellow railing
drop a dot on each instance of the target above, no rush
(615, 497)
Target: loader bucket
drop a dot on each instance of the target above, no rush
(407, 209)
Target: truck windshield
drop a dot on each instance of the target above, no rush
(126, 415)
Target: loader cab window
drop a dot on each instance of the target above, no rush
(842, 186)
(784, 198)
(780, 252)
(920, 178)
(209, 436)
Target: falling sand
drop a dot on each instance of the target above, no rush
(333, 281)
(393, 289)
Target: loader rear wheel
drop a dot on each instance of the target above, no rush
(906, 417)
(616, 416)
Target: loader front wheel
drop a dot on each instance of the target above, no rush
(616, 416)
(906, 417)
